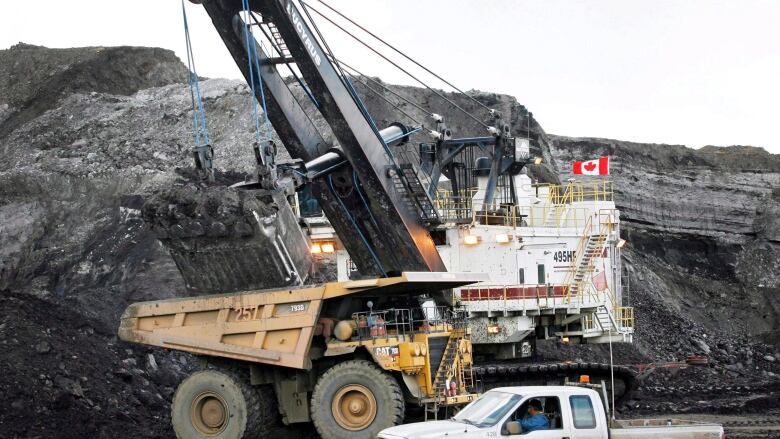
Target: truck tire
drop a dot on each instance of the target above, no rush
(220, 404)
(356, 399)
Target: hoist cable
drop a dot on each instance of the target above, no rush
(471, 116)
(368, 78)
(350, 88)
(355, 227)
(266, 121)
(324, 43)
(404, 55)
(254, 69)
(249, 47)
(366, 113)
(379, 94)
(200, 129)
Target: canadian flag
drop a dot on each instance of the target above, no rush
(600, 166)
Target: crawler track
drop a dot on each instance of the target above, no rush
(499, 374)
(699, 390)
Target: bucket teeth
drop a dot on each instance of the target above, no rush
(227, 239)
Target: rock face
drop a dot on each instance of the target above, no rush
(702, 227)
(82, 132)
(703, 261)
(86, 135)
(33, 79)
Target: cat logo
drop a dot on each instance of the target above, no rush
(386, 352)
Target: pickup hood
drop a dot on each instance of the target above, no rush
(427, 430)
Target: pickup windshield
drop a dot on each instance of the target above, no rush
(488, 409)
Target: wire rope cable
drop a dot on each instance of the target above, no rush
(405, 55)
(384, 87)
(200, 129)
(359, 190)
(255, 79)
(356, 227)
(380, 96)
(350, 88)
(324, 43)
(418, 80)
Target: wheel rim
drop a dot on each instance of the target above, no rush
(354, 407)
(209, 413)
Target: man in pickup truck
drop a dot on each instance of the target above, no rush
(535, 418)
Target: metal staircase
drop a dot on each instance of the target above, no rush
(590, 247)
(586, 264)
(556, 215)
(604, 319)
(414, 194)
(278, 41)
(610, 322)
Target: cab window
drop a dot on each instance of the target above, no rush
(582, 411)
(551, 410)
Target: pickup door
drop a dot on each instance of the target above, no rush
(571, 416)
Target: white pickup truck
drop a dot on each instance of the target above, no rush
(573, 413)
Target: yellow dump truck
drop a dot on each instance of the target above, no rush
(347, 356)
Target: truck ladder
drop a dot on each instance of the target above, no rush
(445, 371)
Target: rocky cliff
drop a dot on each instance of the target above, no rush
(86, 134)
(702, 227)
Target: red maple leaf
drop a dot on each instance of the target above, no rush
(590, 166)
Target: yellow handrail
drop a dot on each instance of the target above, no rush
(461, 207)
(625, 316)
(580, 191)
(579, 253)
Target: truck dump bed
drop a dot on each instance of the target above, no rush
(263, 326)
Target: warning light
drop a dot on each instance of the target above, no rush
(316, 249)
(538, 161)
(471, 239)
(328, 247)
(585, 379)
(503, 238)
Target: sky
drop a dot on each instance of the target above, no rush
(692, 72)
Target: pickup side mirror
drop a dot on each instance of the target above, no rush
(513, 427)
